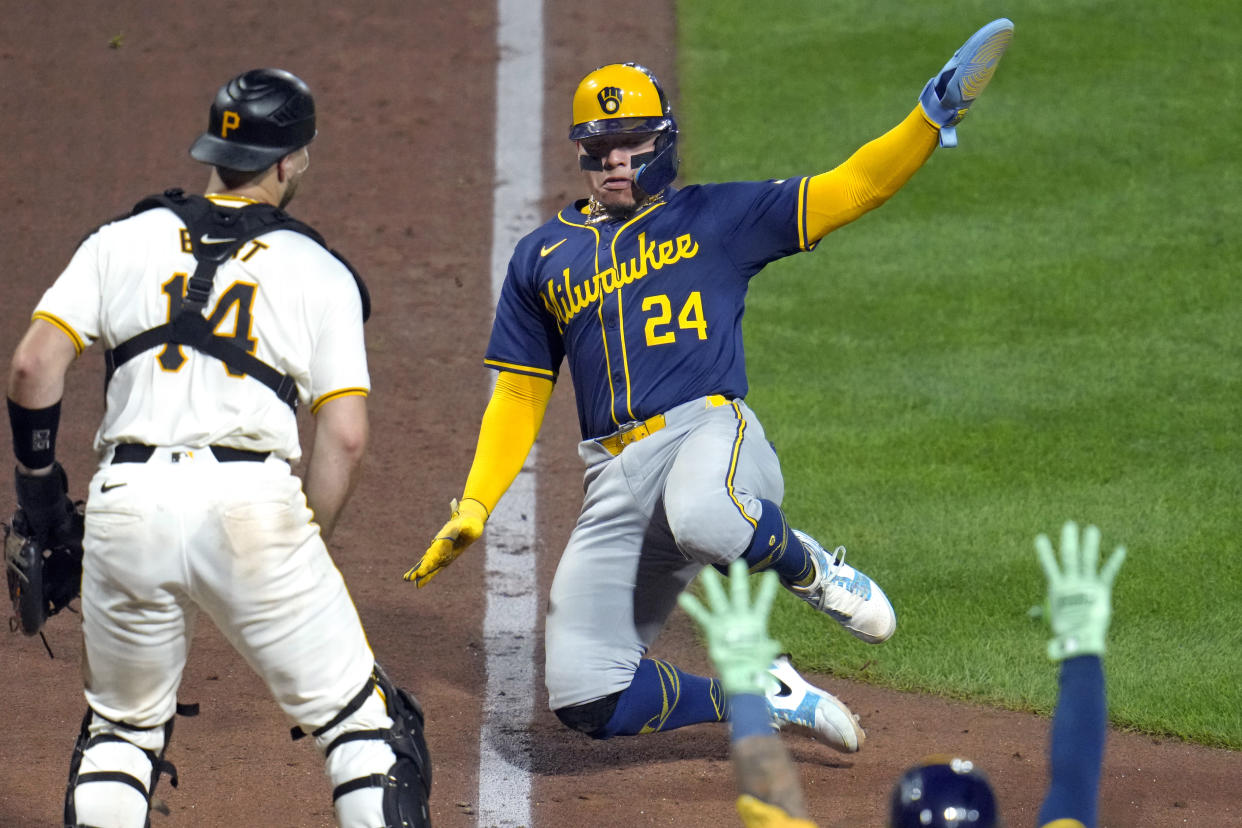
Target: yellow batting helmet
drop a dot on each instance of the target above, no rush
(627, 98)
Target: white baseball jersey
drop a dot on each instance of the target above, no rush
(178, 533)
(282, 294)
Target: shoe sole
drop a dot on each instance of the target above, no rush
(978, 70)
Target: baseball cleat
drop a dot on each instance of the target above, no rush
(975, 63)
(846, 595)
(795, 701)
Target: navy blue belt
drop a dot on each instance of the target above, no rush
(141, 453)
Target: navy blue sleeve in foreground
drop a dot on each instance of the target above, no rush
(1079, 727)
(749, 715)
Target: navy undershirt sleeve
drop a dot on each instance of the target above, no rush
(1079, 728)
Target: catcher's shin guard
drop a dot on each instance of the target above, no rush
(113, 773)
(377, 758)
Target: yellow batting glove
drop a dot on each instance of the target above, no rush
(463, 529)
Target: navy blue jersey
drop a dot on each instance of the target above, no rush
(648, 310)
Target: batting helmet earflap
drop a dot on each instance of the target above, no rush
(943, 792)
(256, 119)
(627, 98)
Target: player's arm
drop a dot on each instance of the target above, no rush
(1079, 728)
(511, 422)
(36, 385)
(769, 790)
(341, 433)
(1079, 609)
(881, 167)
(770, 793)
(870, 176)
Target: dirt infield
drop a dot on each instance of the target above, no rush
(102, 106)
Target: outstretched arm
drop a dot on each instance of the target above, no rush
(510, 425)
(879, 169)
(870, 176)
(1079, 609)
(769, 790)
(1077, 746)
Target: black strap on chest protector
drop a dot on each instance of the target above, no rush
(215, 235)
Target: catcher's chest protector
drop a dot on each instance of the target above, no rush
(215, 235)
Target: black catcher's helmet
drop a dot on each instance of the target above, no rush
(257, 119)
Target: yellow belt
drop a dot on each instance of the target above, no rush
(635, 431)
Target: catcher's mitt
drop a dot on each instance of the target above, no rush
(42, 582)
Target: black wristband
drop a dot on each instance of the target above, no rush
(34, 434)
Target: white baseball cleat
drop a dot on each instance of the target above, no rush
(846, 595)
(795, 701)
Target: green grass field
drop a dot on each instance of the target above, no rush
(1044, 324)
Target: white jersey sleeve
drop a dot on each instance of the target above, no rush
(282, 297)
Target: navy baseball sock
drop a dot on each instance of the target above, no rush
(775, 547)
(662, 697)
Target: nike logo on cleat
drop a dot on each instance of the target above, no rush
(543, 251)
(206, 239)
(785, 688)
(107, 487)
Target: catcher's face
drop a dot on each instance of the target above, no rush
(613, 184)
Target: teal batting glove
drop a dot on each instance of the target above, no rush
(737, 630)
(1079, 597)
(947, 97)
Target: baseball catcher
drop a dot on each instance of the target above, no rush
(42, 549)
(196, 446)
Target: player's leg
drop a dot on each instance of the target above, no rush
(722, 496)
(136, 628)
(290, 616)
(614, 588)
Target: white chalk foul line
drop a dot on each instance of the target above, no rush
(511, 583)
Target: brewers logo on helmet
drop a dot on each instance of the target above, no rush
(627, 98)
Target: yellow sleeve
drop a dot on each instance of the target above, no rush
(510, 425)
(756, 813)
(870, 176)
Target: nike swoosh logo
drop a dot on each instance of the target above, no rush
(543, 251)
(785, 688)
(206, 239)
(107, 487)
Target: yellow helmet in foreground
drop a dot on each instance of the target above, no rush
(627, 98)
